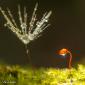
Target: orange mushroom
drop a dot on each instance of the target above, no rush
(65, 51)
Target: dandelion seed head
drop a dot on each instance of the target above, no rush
(26, 34)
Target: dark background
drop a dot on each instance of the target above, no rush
(67, 30)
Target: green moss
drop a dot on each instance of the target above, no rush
(15, 75)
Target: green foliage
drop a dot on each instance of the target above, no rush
(15, 75)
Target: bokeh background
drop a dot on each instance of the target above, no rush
(67, 30)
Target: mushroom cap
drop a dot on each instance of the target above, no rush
(63, 51)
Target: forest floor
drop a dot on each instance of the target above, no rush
(19, 75)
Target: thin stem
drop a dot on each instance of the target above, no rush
(70, 60)
(28, 54)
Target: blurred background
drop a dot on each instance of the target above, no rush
(67, 30)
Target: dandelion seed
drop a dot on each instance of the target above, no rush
(24, 33)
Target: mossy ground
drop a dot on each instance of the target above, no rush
(16, 75)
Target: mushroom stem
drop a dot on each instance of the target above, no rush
(70, 60)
